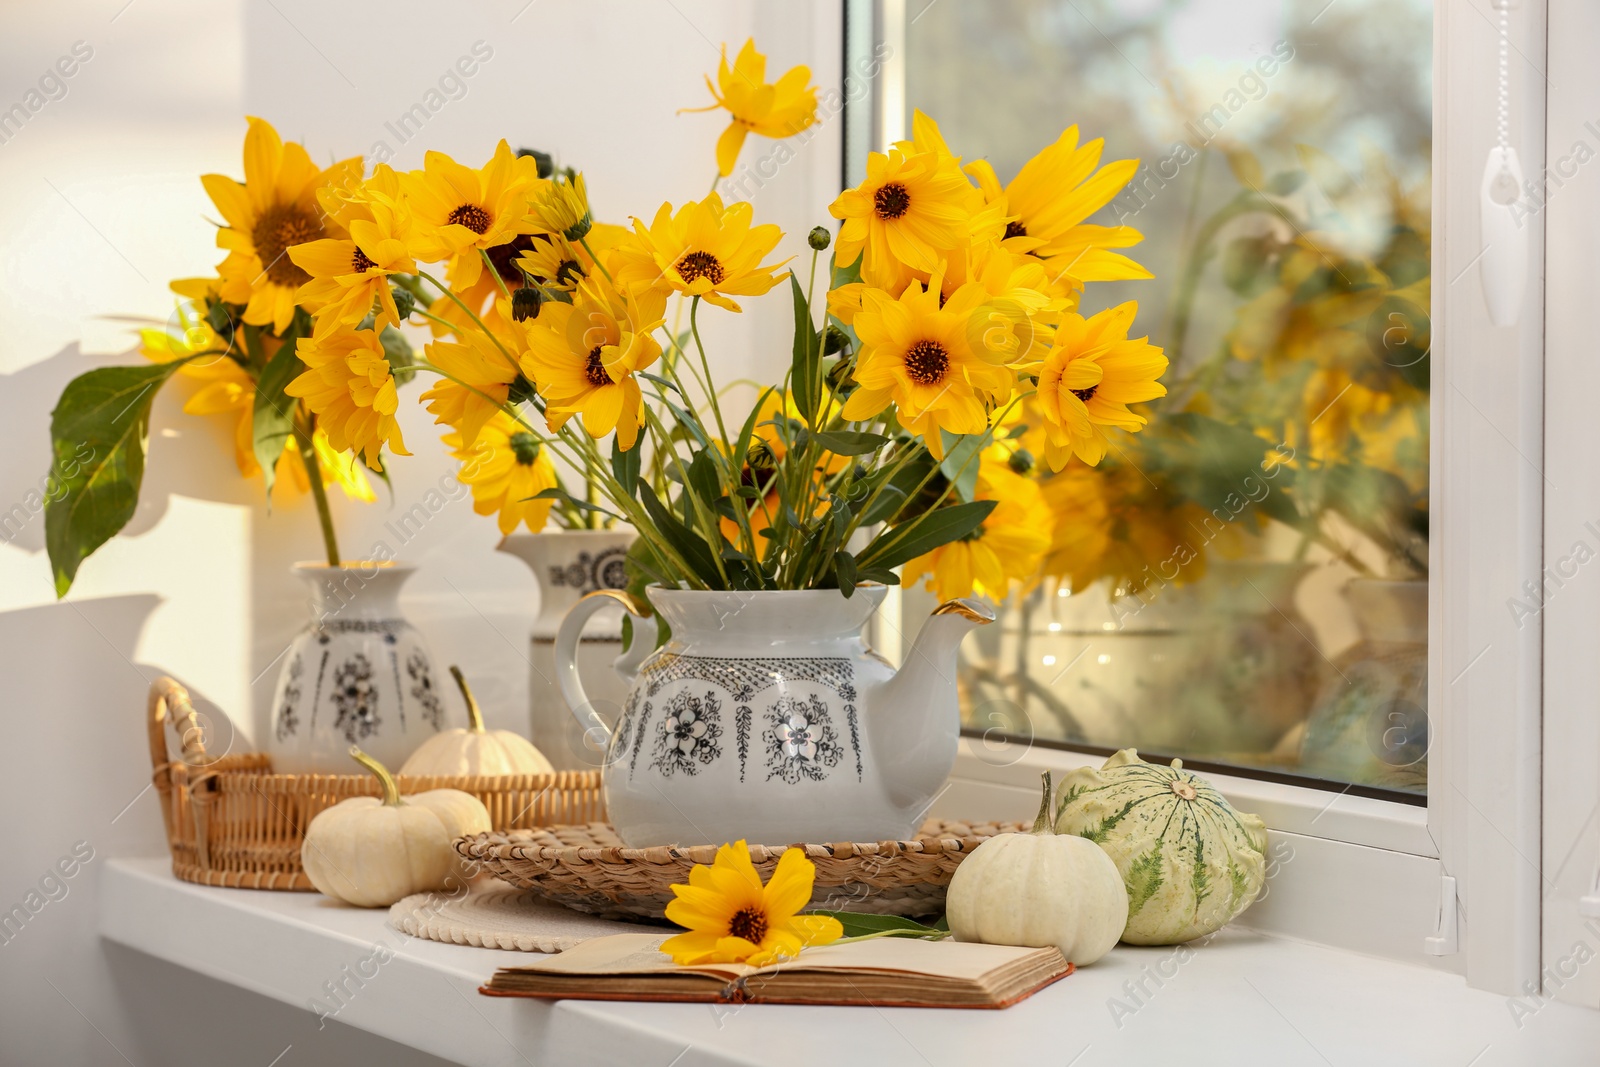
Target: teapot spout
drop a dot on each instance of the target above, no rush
(913, 721)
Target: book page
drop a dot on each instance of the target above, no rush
(641, 954)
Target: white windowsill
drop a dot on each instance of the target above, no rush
(1244, 997)
(1329, 814)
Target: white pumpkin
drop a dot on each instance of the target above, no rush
(1037, 889)
(371, 851)
(475, 750)
(1190, 861)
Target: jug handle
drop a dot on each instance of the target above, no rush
(595, 730)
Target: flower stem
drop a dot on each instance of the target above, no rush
(305, 440)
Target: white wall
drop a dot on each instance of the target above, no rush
(102, 205)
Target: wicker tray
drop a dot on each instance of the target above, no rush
(231, 822)
(587, 868)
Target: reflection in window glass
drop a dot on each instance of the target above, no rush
(1245, 581)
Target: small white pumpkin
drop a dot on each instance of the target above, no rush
(1036, 889)
(1191, 861)
(475, 751)
(371, 851)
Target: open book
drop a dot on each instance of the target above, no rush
(885, 972)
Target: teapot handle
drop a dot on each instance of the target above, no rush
(595, 730)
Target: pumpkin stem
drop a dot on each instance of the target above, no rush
(474, 715)
(391, 791)
(1041, 822)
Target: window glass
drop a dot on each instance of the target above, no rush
(1245, 581)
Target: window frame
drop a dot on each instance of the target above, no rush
(1370, 874)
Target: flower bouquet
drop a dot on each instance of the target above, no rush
(951, 330)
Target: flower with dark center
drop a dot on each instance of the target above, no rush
(595, 369)
(276, 231)
(891, 201)
(1015, 228)
(1085, 395)
(360, 263)
(926, 362)
(697, 265)
(472, 217)
(748, 923)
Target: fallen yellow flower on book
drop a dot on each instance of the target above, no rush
(732, 918)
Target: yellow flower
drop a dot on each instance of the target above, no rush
(480, 377)
(275, 209)
(911, 210)
(1091, 374)
(506, 466)
(919, 356)
(349, 387)
(226, 388)
(704, 250)
(458, 212)
(582, 355)
(349, 274)
(777, 110)
(732, 918)
(1008, 547)
(1047, 203)
(1112, 523)
(562, 207)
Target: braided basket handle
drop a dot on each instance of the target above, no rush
(169, 700)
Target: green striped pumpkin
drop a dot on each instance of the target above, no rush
(1191, 863)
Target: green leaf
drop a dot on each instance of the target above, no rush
(273, 417)
(99, 434)
(907, 541)
(702, 478)
(857, 924)
(851, 442)
(960, 463)
(898, 490)
(805, 378)
(663, 382)
(625, 464)
(844, 568)
(557, 493)
(691, 548)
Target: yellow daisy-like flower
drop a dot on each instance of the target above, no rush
(458, 212)
(919, 356)
(507, 467)
(227, 389)
(274, 209)
(911, 210)
(1113, 524)
(732, 918)
(705, 250)
(349, 387)
(1047, 203)
(777, 110)
(562, 207)
(349, 274)
(1008, 547)
(583, 356)
(480, 377)
(1091, 374)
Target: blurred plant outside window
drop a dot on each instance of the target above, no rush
(1245, 581)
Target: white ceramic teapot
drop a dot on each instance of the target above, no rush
(765, 716)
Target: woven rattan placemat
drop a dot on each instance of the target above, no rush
(495, 915)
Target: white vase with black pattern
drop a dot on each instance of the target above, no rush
(569, 564)
(359, 674)
(765, 716)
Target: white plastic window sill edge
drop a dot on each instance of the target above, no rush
(1328, 814)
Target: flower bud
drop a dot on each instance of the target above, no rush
(545, 161)
(819, 238)
(520, 391)
(834, 340)
(1021, 461)
(525, 303)
(405, 302)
